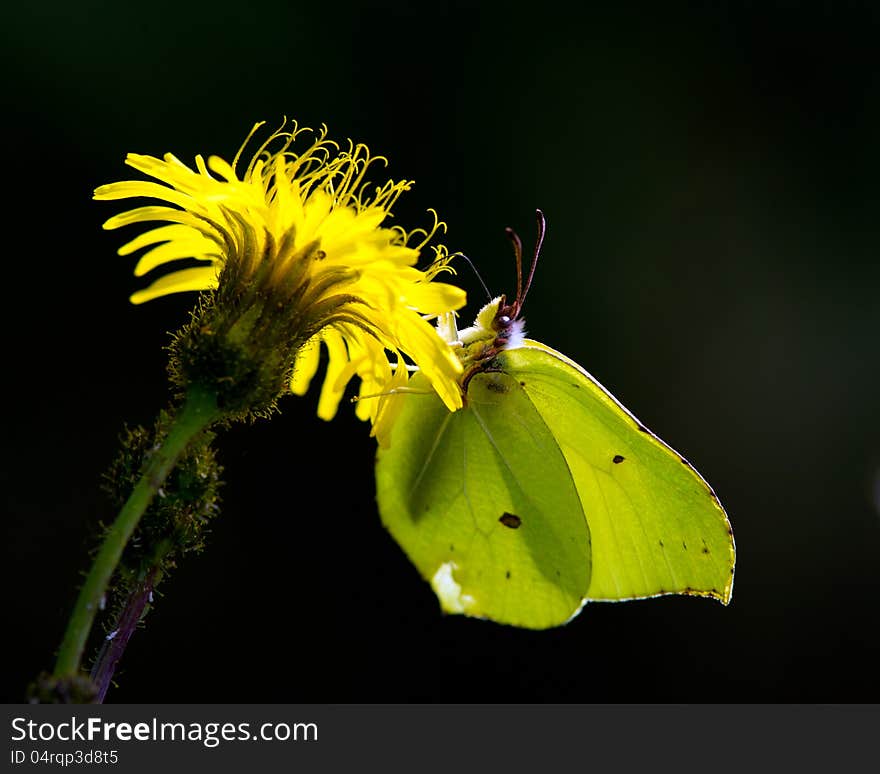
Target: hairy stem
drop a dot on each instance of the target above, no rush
(198, 411)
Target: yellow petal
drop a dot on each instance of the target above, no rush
(199, 278)
(331, 394)
(307, 360)
(129, 188)
(177, 250)
(155, 213)
(156, 235)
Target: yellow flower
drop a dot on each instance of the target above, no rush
(294, 242)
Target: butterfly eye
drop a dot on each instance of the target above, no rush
(503, 320)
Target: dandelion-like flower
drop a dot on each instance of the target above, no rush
(295, 255)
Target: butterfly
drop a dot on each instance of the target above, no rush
(543, 492)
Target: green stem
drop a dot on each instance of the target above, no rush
(199, 410)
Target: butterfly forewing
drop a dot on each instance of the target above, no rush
(656, 526)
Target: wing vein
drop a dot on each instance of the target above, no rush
(430, 456)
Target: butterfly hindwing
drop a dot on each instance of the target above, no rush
(485, 506)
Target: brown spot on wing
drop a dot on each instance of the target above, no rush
(617, 459)
(510, 520)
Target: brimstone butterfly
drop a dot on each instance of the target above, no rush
(543, 492)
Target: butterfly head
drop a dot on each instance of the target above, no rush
(499, 325)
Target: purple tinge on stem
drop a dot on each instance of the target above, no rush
(116, 642)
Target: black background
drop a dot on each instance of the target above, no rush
(709, 174)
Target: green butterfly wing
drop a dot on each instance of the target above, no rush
(656, 525)
(483, 503)
(543, 493)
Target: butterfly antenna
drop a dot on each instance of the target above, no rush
(476, 273)
(517, 249)
(542, 229)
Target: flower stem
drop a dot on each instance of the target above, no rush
(116, 642)
(198, 411)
